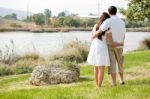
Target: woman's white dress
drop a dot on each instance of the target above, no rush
(98, 54)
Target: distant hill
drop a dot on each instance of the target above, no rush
(20, 14)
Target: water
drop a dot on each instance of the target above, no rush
(46, 43)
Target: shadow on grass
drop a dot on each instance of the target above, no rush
(85, 78)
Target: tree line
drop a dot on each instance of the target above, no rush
(12, 16)
(62, 19)
(137, 15)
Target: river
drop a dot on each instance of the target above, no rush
(46, 43)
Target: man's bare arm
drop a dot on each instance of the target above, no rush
(111, 42)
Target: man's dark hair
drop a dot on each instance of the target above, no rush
(112, 10)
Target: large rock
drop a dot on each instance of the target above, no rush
(54, 73)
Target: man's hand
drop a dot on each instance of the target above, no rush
(111, 42)
(121, 44)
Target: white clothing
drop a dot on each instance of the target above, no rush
(98, 54)
(117, 28)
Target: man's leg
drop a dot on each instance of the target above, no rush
(112, 68)
(121, 77)
(113, 77)
(119, 57)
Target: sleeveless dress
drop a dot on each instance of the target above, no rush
(98, 54)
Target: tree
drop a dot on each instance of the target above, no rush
(61, 20)
(92, 14)
(48, 14)
(122, 10)
(12, 16)
(28, 19)
(138, 10)
(62, 14)
(88, 22)
(39, 19)
(69, 21)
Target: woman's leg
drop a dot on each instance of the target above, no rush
(101, 70)
(96, 74)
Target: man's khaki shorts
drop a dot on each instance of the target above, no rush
(116, 60)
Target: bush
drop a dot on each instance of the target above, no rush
(12, 63)
(4, 70)
(34, 56)
(39, 19)
(88, 22)
(9, 56)
(72, 22)
(19, 67)
(23, 64)
(74, 51)
(71, 54)
(133, 24)
(145, 44)
(83, 48)
(15, 25)
(71, 65)
(147, 24)
(14, 70)
(23, 69)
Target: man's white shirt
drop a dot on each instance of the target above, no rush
(117, 28)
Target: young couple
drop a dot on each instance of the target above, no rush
(107, 46)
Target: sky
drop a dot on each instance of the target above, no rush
(81, 7)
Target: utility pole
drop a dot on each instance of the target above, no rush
(98, 8)
(45, 18)
(27, 12)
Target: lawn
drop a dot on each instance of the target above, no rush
(137, 70)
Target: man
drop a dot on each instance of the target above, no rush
(117, 35)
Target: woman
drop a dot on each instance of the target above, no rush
(98, 55)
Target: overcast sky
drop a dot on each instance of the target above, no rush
(81, 7)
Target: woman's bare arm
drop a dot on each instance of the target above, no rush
(96, 34)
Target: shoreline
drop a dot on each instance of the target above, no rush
(16, 25)
(51, 30)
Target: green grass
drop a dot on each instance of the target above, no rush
(137, 68)
(136, 58)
